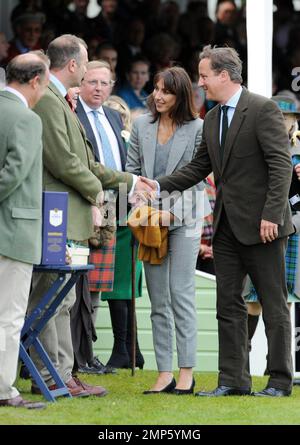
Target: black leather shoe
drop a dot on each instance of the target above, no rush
(106, 369)
(167, 389)
(221, 391)
(182, 392)
(272, 392)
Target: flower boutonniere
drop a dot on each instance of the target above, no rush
(125, 135)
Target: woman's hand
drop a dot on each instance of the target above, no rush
(297, 170)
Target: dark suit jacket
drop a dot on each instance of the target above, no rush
(115, 121)
(254, 178)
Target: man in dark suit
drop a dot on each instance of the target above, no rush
(95, 90)
(246, 146)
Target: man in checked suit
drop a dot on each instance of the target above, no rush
(245, 144)
(69, 166)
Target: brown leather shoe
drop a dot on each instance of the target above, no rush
(19, 402)
(98, 391)
(74, 389)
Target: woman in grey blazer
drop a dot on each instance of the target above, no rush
(161, 142)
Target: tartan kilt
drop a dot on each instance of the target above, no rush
(102, 277)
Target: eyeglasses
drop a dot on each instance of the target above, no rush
(95, 83)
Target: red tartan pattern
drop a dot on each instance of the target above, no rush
(102, 277)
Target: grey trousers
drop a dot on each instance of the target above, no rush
(56, 335)
(171, 288)
(95, 298)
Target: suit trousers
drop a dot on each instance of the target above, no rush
(56, 335)
(265, 264)
(15, 279)
(171, 288)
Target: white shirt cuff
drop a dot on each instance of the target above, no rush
(134, 181)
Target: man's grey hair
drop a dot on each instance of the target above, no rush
(63, 49)
(23, 68)
(224, 58)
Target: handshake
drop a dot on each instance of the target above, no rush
(145, 190)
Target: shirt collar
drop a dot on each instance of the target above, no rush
(17, 93)
(232, 102)
(88, 109)
(61, 88)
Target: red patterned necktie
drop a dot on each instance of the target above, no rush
(68, 99)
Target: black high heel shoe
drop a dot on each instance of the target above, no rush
(167, 389)
(182, 392)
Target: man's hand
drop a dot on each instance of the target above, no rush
(97, 216)
(150, 182)
(297, 170)
(268, 231)
(144, 191)
(206, 251)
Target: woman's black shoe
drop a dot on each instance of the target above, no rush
(167, 389)
(182, 392)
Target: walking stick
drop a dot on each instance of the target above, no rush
(133, 322)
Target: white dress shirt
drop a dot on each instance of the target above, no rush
(231, 103)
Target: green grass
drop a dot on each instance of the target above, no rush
(126, 405)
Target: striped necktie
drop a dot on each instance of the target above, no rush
(108, 156)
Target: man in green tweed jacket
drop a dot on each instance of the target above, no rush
(68, 167)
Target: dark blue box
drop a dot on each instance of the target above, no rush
(55, 216)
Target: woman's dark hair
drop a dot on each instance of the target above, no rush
(176, 81)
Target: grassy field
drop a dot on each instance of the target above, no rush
(126, 405)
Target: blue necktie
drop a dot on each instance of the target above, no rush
(108, 156)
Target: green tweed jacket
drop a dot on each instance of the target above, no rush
(69, 164)
(20, 180)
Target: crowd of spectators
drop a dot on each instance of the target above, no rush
(155, 30)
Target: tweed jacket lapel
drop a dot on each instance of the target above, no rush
(237, 120)
(82, 116)
(212, 134)
(149, 147)
(74, 117)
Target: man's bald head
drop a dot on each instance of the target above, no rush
(25, 67)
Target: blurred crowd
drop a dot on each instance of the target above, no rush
(140, 37)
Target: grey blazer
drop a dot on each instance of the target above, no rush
(141, 157)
